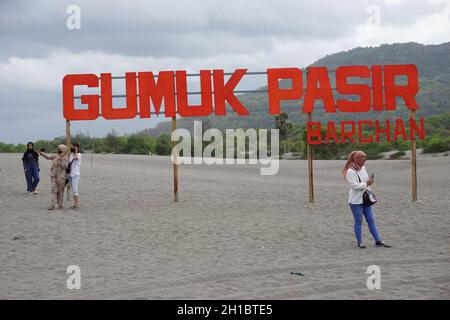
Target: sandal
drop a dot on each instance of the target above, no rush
(51, 208)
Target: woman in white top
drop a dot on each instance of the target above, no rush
(75, 171)
(356, 176)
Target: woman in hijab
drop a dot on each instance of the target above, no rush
(58, 175)
(31, 168)
(356, 176)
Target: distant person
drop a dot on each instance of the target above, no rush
(75, 171)
(58, 175)
(30, 162)
(356, 176)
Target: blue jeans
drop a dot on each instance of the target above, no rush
(360, 210)
(32, 176)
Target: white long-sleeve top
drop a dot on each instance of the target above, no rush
(75, 166)
(355, 194)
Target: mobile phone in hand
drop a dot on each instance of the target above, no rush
(372, 176)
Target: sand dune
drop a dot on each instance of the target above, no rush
(234, 234)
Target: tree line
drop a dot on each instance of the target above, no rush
(292, 139)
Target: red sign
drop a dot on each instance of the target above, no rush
(144, 91)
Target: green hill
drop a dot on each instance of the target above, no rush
(433, 62)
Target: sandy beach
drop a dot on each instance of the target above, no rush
(234, 234)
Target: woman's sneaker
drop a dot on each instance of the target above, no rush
(381, 244)
(361, 246)
(35, 192)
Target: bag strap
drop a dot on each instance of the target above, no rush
(73, 159)
(70, 165)
(359, 178)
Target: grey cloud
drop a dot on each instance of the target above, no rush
(185, 28)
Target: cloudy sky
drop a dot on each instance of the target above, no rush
(38, 49)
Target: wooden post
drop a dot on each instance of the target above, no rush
(174, 160)
(413, 161)
(68, 144)
(310, 167)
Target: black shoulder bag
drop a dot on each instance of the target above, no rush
(368, 196)
(68, 171)
(69, 167)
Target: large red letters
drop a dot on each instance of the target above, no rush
(171, 87)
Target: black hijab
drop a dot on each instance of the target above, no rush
(34, 153)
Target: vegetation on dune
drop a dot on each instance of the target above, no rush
(292, 139)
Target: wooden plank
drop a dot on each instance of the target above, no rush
(68, 137)
(413, 161)
(174, 160)
(68, 144)
(310, 168)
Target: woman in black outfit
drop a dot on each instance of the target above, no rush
(31, 167)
